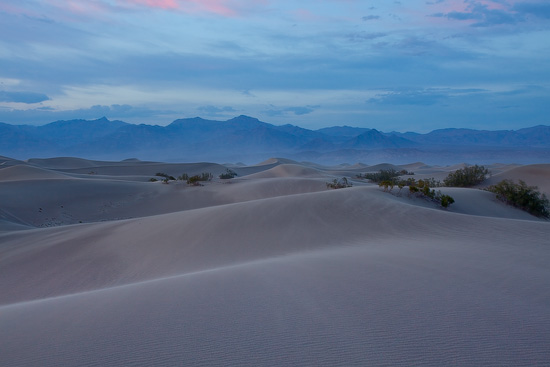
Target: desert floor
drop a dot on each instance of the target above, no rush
(101, 267)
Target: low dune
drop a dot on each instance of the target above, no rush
(270, 268)
(28, 173)
(534, 175)
(287, 170)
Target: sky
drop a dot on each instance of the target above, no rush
(391, 65)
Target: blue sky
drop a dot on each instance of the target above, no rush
(391, 65)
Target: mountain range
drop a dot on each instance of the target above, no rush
(246, 139)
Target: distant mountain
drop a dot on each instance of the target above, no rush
(343, 131)
(537, 136)
(373, 139)
(250, 140)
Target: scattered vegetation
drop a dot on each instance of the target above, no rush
(420, 188)
(228, 174)
(166, 177)
(197, 179)
(339, 184)
(385, 175)
(467, 177)
(522, 196)
(191, 180)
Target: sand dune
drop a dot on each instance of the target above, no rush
(533, 175)
(270, 269)
(66, 163)
(25, 173)
(287, 170)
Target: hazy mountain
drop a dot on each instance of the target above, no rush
(249, 140)
(373, 139)
(343, 131)
(537, 136)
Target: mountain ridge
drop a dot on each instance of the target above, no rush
(245, 138)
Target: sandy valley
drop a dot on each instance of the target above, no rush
(99, 266)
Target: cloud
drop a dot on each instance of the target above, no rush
(212, 110)
(370, 17)
(420, 97)
(225, 8)
(298, 110)
(366, 36)
(162, 4)
(128, 113)
(484, 14)
(541, 10)
(23, 97)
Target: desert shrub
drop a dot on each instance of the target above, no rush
(382, 175)
(445, 200)
(466, 177)
(228, 174)
(339, 184)
(420, 188)
(195, 180)
(387, 185)
(183, 177)
(385, 175)
(166, 177)
(522, 196)
(153, 179)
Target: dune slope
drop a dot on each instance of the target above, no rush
(267, 269)
(343, 277)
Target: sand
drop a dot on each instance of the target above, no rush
(267, 269)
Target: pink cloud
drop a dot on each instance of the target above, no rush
(226, 8)
(161, 4)
(67, 9)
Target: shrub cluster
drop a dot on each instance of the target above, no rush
(420, 188)
(522, 196)
(467, 177)
(228, 174)
(165, 177)
(196, 180)
(384, 175)
(339, 184)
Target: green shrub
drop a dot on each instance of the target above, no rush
(387, 185)
(183, 177)
(420, 188)
(339, 184)
(195, 180)
(467, 177)
(167, 177)
(445, 200)
(228, 174)
(522, 196)
(382, 175)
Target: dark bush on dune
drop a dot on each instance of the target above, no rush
(420, 188)
(382, 175)
(467, 177)
(339, 184)
(197, 179)
(522, 196)
(166, 176)
(228, 174)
